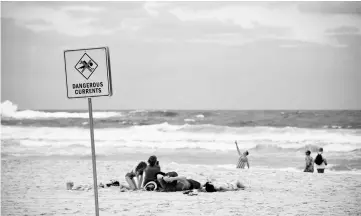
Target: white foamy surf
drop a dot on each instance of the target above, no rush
(10, 110)
(188, 135)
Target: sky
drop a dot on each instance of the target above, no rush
(187, 55)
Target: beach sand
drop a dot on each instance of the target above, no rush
(37, 186)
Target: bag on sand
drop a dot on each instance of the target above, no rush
(318, 159)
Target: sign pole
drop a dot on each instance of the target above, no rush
(88, 74)
(93, 156)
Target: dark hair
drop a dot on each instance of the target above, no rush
(152, 160)
(160, 173)
(209, 187)
(171, 174)
(308, 152)
(246, 152)
(321, 149)
(140, 167)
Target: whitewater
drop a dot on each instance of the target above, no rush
(190, 134)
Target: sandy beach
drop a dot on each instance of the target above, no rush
(203, 86)
(38, 187)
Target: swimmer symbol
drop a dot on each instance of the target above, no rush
(86, 66)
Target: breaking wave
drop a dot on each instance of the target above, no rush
(10, 110)
(209, 137)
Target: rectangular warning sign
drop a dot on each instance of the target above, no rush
(88, 72)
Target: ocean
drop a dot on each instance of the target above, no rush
(276, 139)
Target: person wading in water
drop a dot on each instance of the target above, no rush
(320, 162)
(242, 160)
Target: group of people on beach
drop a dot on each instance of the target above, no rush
(319, 163)
(150, 177)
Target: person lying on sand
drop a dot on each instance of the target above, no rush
(80, 187)
(242, 160)
(216, 187)
(171, 182)
(136, 172)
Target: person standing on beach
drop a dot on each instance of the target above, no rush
(320, 162)
(242, 160)
(309, 162)
(137, 172)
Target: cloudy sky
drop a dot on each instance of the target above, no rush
(188, 55)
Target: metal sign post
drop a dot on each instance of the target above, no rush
(88, 75)
(90, 107)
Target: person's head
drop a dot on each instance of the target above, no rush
(140, 168)
(246, 153)
(320, 150)
(308, 152)
(171, 174)
(152, 160)
(209, 187)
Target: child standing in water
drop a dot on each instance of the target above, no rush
(242, 160)
(320, 162)
(309, 162)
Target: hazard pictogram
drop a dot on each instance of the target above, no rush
(86, 66)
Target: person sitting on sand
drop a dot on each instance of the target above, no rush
(137, 172)
(172, 182)
(309, 162)
(320, 162)
(242, 160)
(150, 173)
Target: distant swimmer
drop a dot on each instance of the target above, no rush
(242, 160)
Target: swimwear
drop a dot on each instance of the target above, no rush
(242, 160)
(130, 175)
(309, 164)
(194, 184)
(151, 173)
(180, 185)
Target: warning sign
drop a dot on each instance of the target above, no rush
(88, 72)
(86, 66)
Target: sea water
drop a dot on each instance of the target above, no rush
(274, 138)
